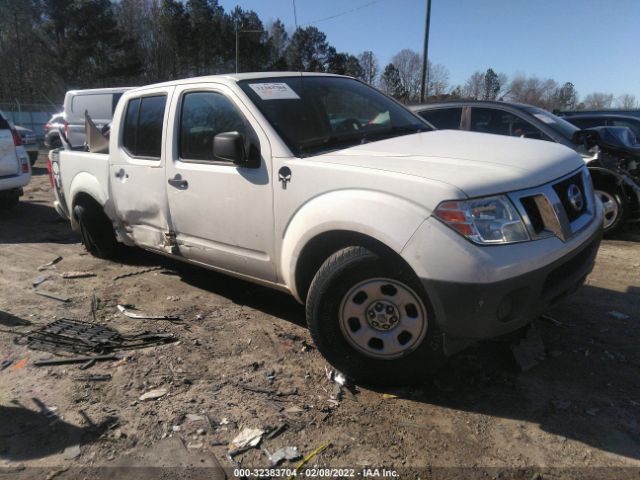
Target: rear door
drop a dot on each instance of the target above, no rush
(448, 118)
(8, 157)
(222, 214)
(136, 170)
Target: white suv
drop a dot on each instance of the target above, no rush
(15, 170)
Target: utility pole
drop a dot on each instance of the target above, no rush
(424, 85)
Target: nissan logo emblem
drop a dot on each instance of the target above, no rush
(574, 195)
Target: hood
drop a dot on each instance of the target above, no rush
(476, 163)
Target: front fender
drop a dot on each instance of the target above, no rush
(384, 217)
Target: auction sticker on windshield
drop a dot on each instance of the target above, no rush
(274, 91)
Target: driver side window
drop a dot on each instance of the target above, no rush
(203, 116)
(499, 122)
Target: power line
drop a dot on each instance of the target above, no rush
(347, 12)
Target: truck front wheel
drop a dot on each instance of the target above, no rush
(97, 231)
(371, 319)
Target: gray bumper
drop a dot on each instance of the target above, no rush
(477, 311)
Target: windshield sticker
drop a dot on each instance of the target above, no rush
(274, 91)
(544, 118)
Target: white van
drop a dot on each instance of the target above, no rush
(99, 102)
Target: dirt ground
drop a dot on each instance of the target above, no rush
(245, 359)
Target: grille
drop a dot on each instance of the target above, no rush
(529, 204)
(562, 189)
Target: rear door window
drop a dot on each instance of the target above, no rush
(443, 118)
(144, 118)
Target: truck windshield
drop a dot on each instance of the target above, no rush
(316, 114)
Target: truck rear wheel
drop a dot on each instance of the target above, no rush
(97, 232)
(371, 319)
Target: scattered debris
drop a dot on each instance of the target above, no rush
(137, 272)
(67, 360)
(551, 320)
(561, 404)
(20, 364)
(93, 378)
(388, 396)
(309, 457)
(247, 438)
(71, 452)
(40, 280)
(46, 266)
(294, 409)
(140, 316)
(276, 431)
(52, 295)
(82, 337)
(284, 453)
(78, 274)
(154, 394)
(530, 350)
(618, 315)
(592, 411)
(5, 363)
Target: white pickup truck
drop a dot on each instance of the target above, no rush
(405, 244)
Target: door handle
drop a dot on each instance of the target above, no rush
(178, 182)
(119, 173)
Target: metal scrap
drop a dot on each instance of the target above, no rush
(141, 316)
(67, 360)
(52, 295)
(46, 266)
(618, 315)
(248, 438)
(93, 378)
(83, 338)
(78, 274)
(5, 363)
(154, 394)
(40, 280)
(137, 272)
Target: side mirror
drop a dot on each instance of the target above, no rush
(230, 146)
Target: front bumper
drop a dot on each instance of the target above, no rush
(482, 292)
(486, 310)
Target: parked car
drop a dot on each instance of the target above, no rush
(405, 244)
(29, 142)
(99, 102)
(615, 182)
(52, 130)
(583, 121)
(15, 170)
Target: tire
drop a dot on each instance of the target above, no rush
(98, 236)
(614, 209)
(55, 142)
(392, 355)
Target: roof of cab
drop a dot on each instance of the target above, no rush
(233, 78)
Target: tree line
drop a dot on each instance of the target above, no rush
(50, 46)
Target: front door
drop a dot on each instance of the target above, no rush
(136, 171)
(222, 214)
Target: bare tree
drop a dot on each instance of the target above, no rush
(533, 91)
(369, 63)
(408, 63)
(438, 79)
(474, 86)
(627, 102)
(598, 101)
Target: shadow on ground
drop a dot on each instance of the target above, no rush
(30, 434)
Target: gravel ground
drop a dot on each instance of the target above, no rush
(245, 359)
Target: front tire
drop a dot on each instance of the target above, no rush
(371, 319)
(98, 236)
(613, 209)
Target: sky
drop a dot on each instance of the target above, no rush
(595, 44)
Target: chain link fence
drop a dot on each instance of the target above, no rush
(30, 115)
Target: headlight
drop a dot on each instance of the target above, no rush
(489, 220)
